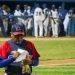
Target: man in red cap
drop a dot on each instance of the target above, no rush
(23, 67)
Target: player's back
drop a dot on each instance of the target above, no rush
(38, 13)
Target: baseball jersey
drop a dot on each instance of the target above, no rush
(45, 11)
(17, 13)
(9, 46)
(38, 13)
(54, 13)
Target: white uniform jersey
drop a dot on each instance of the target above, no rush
(66, 21)
(4, 12)
(25, 12)
(45, 10)
(17, 13)
(54, 13)
(54, 22)
(38, 13)
(29, 12)
(49, 13)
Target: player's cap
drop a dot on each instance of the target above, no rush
(53, 6)
(18, 5)
(17, 29)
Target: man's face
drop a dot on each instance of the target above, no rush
(18, 8)
(17, 38)
(25, 7)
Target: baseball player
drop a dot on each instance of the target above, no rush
(17, 12)
(29, 19)
(16, 42)
(25, 19)
(38, 19)
(1, 22)
(67, 19)
(5, 20)
(46, 20)
(29, 27)
(54, 21)
(62, 13)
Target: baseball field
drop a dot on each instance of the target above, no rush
(57, 56)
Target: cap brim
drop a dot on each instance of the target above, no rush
(17, 33)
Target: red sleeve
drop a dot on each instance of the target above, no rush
(33, 49)
(4, 48)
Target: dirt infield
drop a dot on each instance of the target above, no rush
(42, 38)
(56, 62)
(49, 38)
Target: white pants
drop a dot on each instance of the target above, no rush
(66, 22)
(5, 24)
(38, 24)
(29, 23)
(54, 27)
(21, 20)
(46, 26)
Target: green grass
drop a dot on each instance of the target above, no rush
(56, 49)
(1, 71)
(52, 70)
(56, 70)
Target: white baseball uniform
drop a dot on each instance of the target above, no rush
(66, 21)
(38, 19)
(54, 22)
(46, 21)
